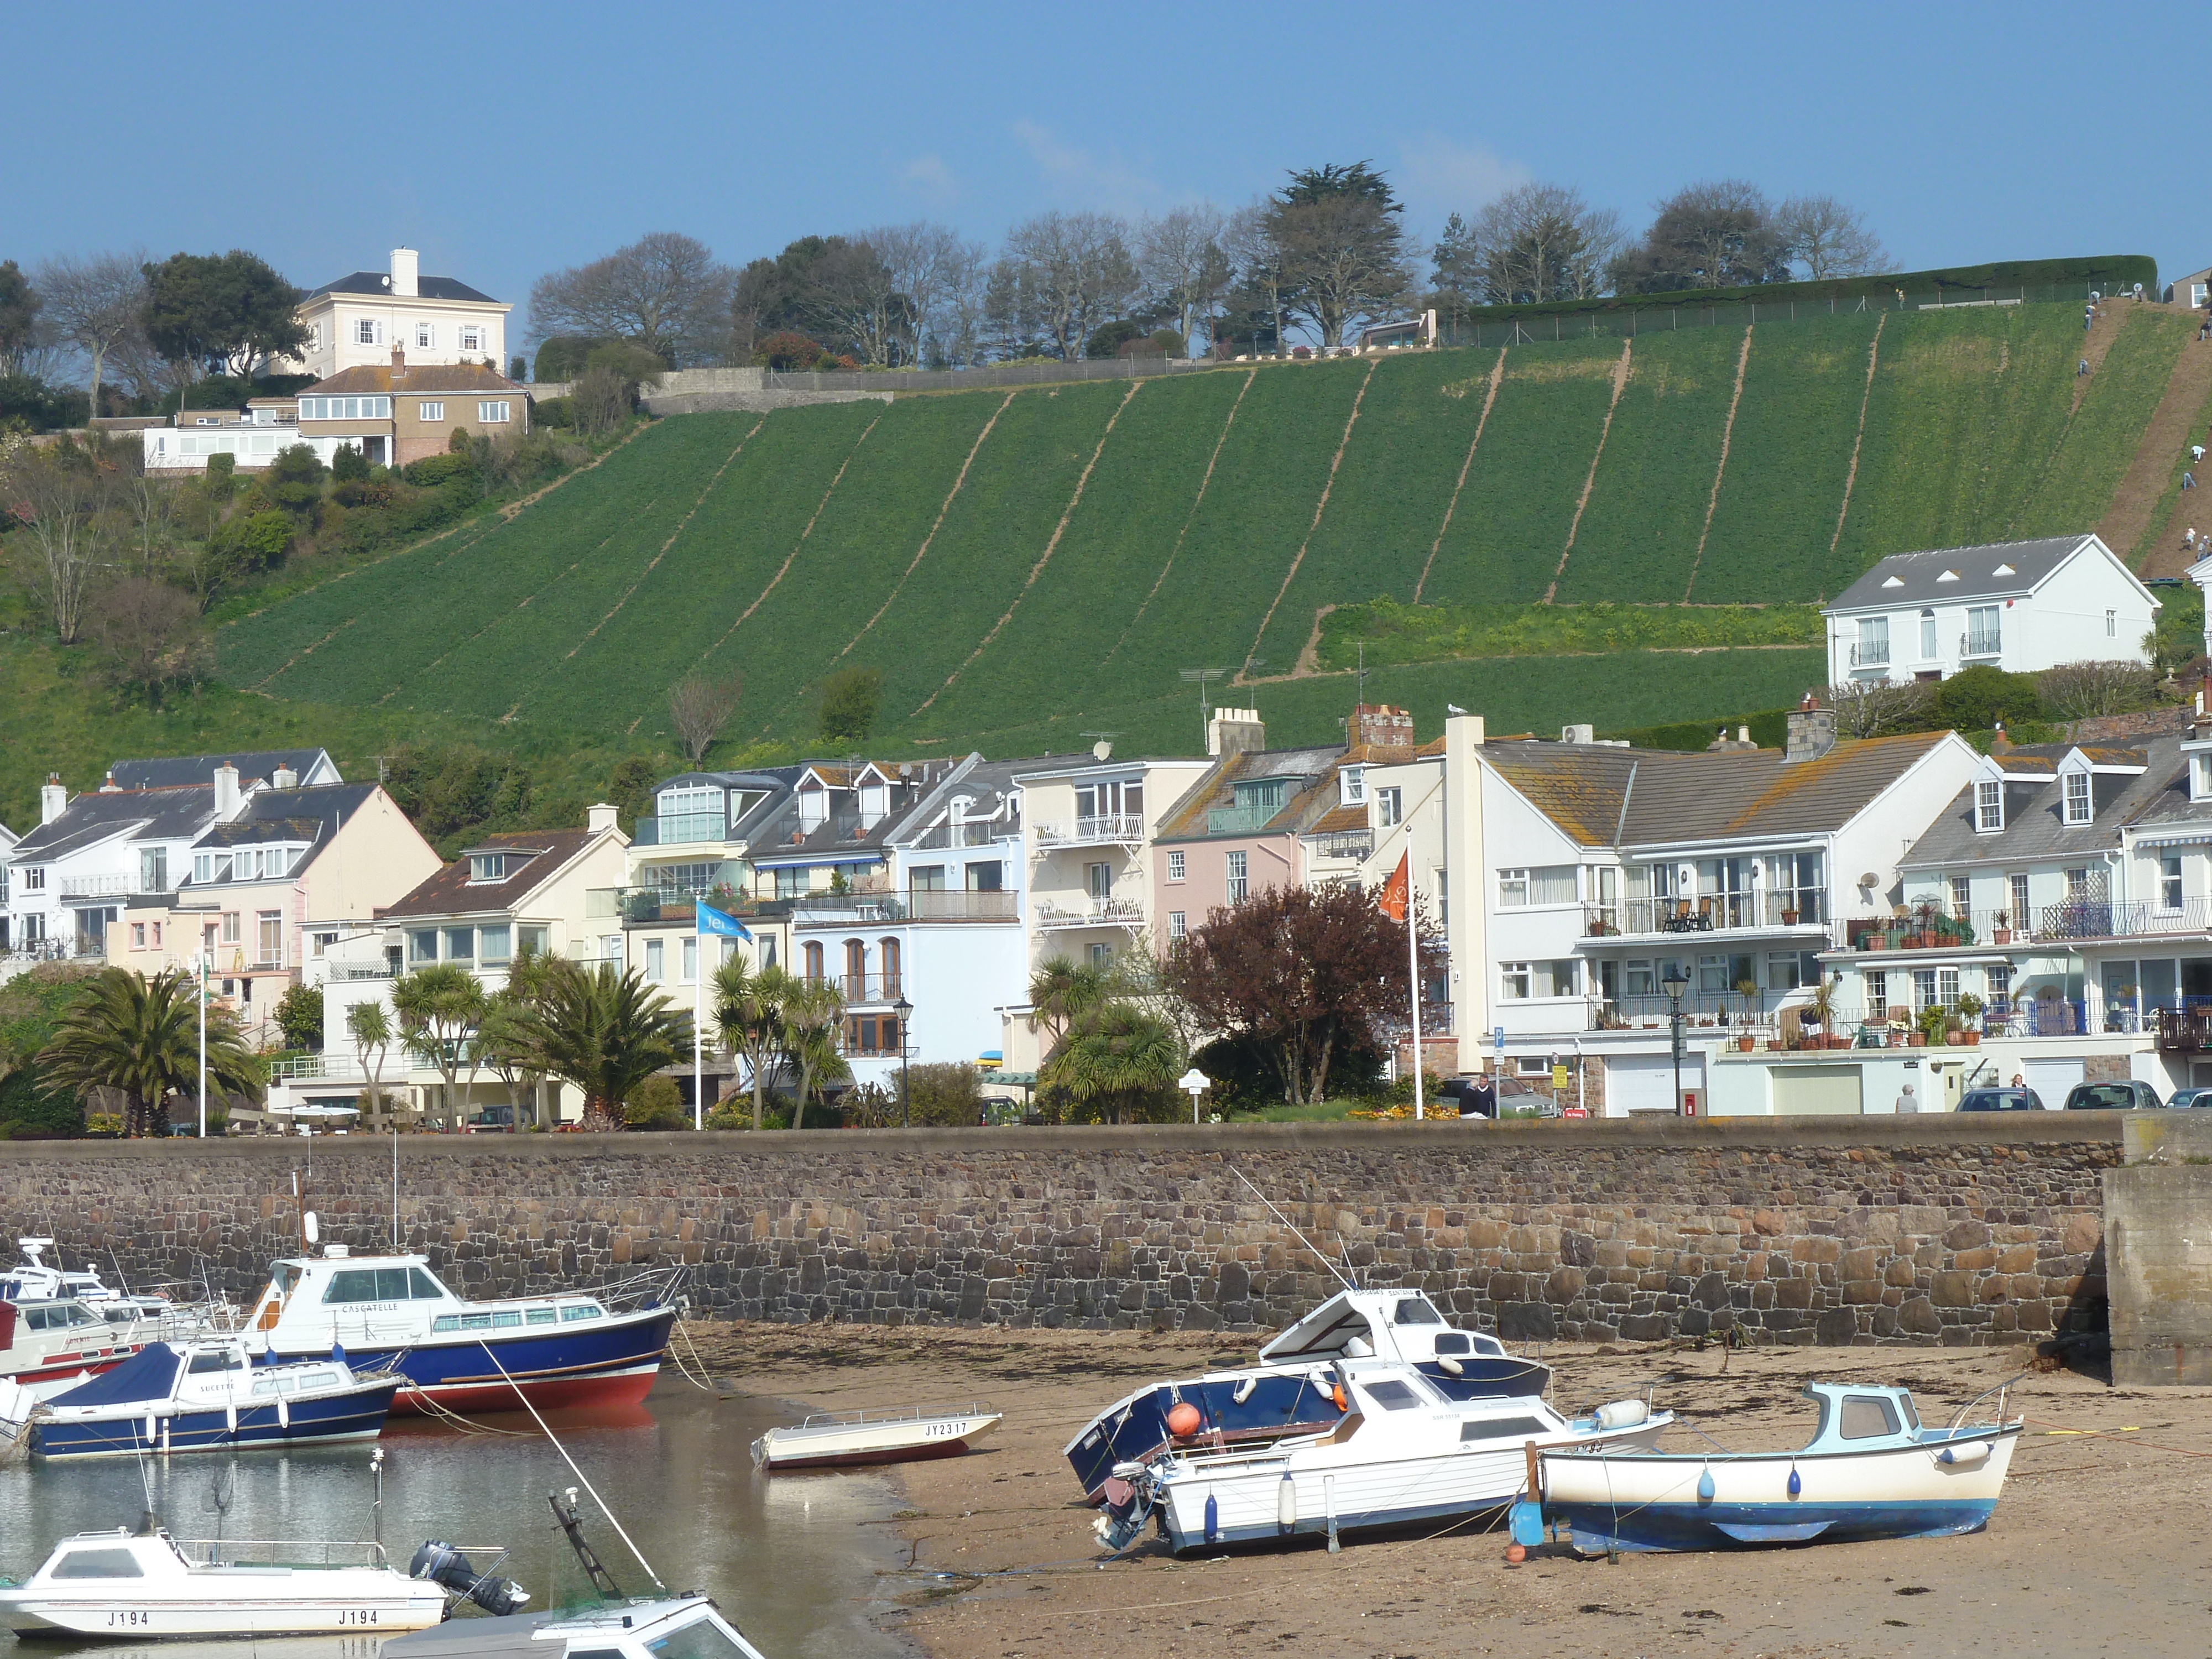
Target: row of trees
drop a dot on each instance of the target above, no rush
(1325, 255)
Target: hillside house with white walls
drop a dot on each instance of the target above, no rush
(2020, 606)
(357, 320)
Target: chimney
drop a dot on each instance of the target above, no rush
(53, 799)
(1235, 731)
(1378, 725)
(2000, 741)
(1578, 734)
(403, 273)
(1812, 731)
(107, 784)
(226, 792)
(601, 818)
(399, 358)
(283, 778)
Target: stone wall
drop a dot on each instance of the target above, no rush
(2160, 1260)
(1938, 1229)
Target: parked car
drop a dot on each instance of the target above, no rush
(2182, 1098)
(491, 1117)
(2001, 1100)
(2112, 1097)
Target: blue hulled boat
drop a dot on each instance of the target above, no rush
(209, 1396)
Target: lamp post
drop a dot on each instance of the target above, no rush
(904, 1010)
(1676, 983)
(199, 974)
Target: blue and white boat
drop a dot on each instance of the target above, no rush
(1871, 1470)
(1280, 1396)
(565, 1349)
(209, 1396)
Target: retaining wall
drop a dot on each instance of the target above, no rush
(1933, 1229)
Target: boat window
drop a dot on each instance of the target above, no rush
(99, 1563)
(583, 1311)
(221, 1359)
(1416, 1310)
(1912, 1412)
(1453, 1342)
(1392, 1396)
(425, 1287)
(284, 1278)
(1866, 1416)
(1502, 1428)
(543, 1316)
(700, 1639)
(367, 1285)
(503, 1320)
(81, 1315)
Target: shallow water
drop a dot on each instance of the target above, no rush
(792, 1559)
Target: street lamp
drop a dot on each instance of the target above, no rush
(199, 977)
(904, 1010)
(1676, 982)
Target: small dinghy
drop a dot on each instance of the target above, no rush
(1870, 1470)
(843, 1438)
(688, 1625)
(207, 1396)
(118, 1583)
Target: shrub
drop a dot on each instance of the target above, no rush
(655, 1104)
(554, 411)
(850, 698)
(253, 541)
(943, 1095)
(300, 1017)
(788, 352)
(1976, 699)
(349, 464)
(2078, 691)
(363, 492)
(438, 468)
(293, 482)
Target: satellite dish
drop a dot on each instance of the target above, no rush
(311, 1227)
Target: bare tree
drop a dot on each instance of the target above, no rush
(153, 503)
(1874, 708)
(2079, 691)
(1077, 273)
(665, 292)
(149, 637)
(94, 303)
(1181, 261)
(937, 273)
(700, 705)
(1541, 242)
(60, 496)
(1829, 238)
(1262, 266)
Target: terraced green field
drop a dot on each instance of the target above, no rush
(1026, 567)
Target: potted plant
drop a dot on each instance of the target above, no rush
(1877, 940)
(1970, 1008)
(1788, 916)
(2001, 928)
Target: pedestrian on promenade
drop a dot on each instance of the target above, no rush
(1908, 1104)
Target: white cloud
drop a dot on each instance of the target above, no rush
(1084, 179)
(1437, 176)
(928, 177)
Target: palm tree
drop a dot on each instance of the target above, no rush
(748, 1005)
(1062, 991)
(440, 1007)
(371, 1031)
(605, 1033)
(141, 1037)
(504, 1035)
(1113, 1058)
(813, 1013)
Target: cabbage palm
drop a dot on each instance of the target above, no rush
(370, 1029)
(140, 1037)
(603, 1031)
(813, 1013)
(440, 1007)
(748, 1005)
(1062, 991)
(1113, 1058)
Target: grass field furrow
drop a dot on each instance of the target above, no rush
(2074, 489)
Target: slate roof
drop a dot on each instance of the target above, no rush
(172, 771)
(1313, 794)
(777, 839)
(291, 816)
(415, 377)
(1919, 576)
(98, 815)
(450, 893)
(775, 782)
(2035, 825)
(989, 782)
(379, 282)
(1646, 797)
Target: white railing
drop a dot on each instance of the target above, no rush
(1116, 829)
(318, 1069)
(1102, 913)
(96, 886)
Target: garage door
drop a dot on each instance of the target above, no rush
(1816, 1090)
(2051, 1079)
(1645, 1082)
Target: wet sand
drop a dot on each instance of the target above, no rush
(2098, 1546)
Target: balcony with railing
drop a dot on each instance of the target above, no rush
(1357, 845)
(337, 1067)
(976, 833)
(97, 886)
(680, 830)
(1870, 653)
(1240, 820)
(2089, 919)
(358, 969)
(866, 990)
(1981, 643)
(656, 902)
(1927, 927)
(1116, 829)
(1099, 912)
(1780, 910)
(922, 904)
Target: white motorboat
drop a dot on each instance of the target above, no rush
(1870, 1470)
(841, 1438)
(32, 1280)
(148, 1584)
(1403, 1452)
(674, 1627)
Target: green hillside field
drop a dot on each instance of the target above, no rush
(1026, 566)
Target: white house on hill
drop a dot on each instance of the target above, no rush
(2020, 606)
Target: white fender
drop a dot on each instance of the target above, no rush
(284, 1412)
(1966, 1456)
(1449, 1367)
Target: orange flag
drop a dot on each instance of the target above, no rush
(1398, 889)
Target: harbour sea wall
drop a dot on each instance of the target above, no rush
(1938, 1230)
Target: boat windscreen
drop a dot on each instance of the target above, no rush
(700, 1639)
(149, 1374)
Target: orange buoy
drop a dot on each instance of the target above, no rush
(1516, 1554)
(1184, 1420)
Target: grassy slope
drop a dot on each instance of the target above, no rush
(2101, 441)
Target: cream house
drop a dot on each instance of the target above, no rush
(356, 321)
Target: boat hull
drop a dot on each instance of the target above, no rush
(238, 1603)
(602, 1362)
(355, 1414)
(1652, 1501)
(782, 1449)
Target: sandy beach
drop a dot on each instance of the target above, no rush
(2097, 1546)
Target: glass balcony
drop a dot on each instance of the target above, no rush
(1775, 911)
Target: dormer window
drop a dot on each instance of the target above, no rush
(813, 808)
(487, 867)
(875, 802)
(2200, 777)
(1988, 807)
(1351, 787)
(2079, 807)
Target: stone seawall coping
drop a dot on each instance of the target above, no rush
(1931, 1229)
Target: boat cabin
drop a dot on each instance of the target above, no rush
(688, 1625)
(337, 1297)
(1856, 1417)
(1402, 1325)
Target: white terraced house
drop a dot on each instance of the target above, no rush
(2020, 606)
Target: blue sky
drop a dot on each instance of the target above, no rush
(506, 141)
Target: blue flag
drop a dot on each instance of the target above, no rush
(711, 921)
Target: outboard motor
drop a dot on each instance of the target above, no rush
(441, 1564)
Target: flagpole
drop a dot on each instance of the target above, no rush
(1413, 979)
(698, 1023)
